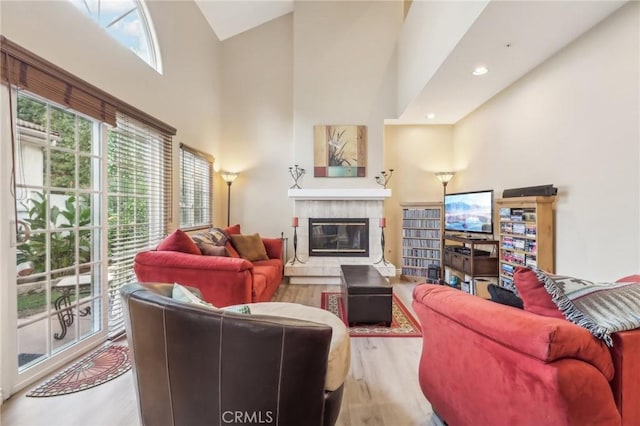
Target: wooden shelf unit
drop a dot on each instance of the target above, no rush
(471, 258)
(421, 239)
(526, 233)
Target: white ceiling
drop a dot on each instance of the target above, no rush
(232, 17)
(533, 30)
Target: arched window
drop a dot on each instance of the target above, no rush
(128, 22)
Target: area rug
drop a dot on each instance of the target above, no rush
(403, 324)
(100, 366)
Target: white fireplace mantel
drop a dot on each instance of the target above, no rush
(339, 194)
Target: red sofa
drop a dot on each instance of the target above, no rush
(223, 281)
(489, 364)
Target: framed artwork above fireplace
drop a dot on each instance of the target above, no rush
(339, 151)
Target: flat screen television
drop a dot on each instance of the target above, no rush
(469, 212)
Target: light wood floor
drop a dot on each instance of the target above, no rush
(381, 389)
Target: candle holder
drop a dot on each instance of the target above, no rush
(384, 177)
(296, 173)
(383, 224)
(294, 224)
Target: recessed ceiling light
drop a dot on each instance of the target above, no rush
(431, 116)
(480, 70)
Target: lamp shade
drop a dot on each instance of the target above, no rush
(229, 176)
(445, 177)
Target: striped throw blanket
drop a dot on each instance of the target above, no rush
(601, 308)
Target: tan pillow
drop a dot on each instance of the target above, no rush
(249, 247)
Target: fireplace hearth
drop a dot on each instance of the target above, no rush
(348, 237)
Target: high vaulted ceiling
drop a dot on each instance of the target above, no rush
(232, 17)
(511, 38)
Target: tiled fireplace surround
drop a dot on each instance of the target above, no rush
(336, 203)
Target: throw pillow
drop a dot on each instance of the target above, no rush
(183, 294)
(231, 250)
(218, 236)
(239, 309)
(232, 230)
(212, 242)
(504, 296)
(180, 241)
(250, 247)
(534, 296)
(601, 308)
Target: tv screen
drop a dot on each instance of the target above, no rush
(469, 212)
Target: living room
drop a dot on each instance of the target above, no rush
(251, 101)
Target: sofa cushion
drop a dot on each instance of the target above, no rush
(269, 269)
(259, 286)
(249, 247)
(504, 296)
(211, 242)
(534, 296)
(180, 241)
(340, 348)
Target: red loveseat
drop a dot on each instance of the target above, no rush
(222, 281)
(489, 364)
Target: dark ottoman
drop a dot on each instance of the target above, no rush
(366, 295)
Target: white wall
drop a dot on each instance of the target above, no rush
(257, 138)
(344, 73)
(61, 34)
(327, 63)
(415, 153)
(572, 122)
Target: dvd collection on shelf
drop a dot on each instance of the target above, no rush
(518, 238)
(421, 240)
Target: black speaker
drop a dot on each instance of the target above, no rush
(433, 272)
(540, 190)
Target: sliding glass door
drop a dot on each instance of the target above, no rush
(60, 270)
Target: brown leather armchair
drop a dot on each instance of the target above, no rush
(198, 366)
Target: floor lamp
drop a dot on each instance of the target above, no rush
(444, 178)
(229, 177)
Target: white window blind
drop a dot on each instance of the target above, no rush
(196, 188)
(139, 201)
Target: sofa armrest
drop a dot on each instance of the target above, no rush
(626, 381)
(273, 247)
(544, 338)
(221, 280)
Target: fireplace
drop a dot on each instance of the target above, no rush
(318, 263)
(339, 237)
